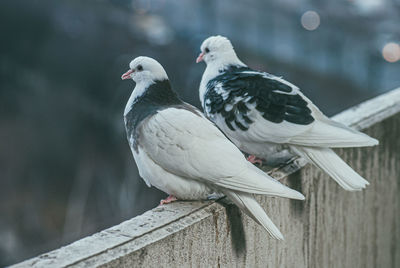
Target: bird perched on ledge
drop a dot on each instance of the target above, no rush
(182, 153)
(270, 118)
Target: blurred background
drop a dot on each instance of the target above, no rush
(66, 170)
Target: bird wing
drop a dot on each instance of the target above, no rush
(236, 92)
(268, 108)
(188, 145)
(326, 132)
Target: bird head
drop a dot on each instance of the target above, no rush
(145, 69)
(217, 49)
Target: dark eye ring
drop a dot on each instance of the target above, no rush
(139, 68)
(206, 50)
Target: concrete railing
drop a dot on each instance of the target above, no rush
(331, 228)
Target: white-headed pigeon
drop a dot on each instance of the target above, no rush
(269, 118)
(182, 153)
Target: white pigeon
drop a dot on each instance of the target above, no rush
(182, 153)
(263, 114)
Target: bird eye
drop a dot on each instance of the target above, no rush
(206, 50)
(139, 68)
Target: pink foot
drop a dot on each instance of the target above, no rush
(168, 200)
(254, 160)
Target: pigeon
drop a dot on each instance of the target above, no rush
(271, 119)
(179, 151)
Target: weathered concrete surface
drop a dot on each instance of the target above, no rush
(331, 228)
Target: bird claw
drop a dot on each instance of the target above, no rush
(254, 160)
(168, 200)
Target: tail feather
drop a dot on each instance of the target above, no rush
(331, 163)
(255, 181)
(249, 205)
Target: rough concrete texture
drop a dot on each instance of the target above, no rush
(331, 228)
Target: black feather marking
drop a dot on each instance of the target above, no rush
(299, 119)
(262, 107)
(224, 113)
(242, 107)
(276, 109)
(247, 119)
(277, 98)
(273, 118)
(157, 97)
(229, 124)
(297, 110)
(240, 125)
(296, 100)
(252, 100)
(230, 116)
(274, 99)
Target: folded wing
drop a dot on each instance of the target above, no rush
(188, 145)
(271, 109)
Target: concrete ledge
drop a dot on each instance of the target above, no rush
(331, 228)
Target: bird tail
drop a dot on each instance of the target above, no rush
(249, 205)
(254, 181)
(327, 160)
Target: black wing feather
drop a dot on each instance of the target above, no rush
(243, 85)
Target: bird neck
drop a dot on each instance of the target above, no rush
(161, 93)
(157, 96)
(229, 57)
(154, 94)
(224, 61)
(141, 88)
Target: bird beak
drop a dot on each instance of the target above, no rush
(200, 57)
(127, 75)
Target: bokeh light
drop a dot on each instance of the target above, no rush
(310, 20)
(391, 52)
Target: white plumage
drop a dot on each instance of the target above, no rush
(263, 114)
(182, 153)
